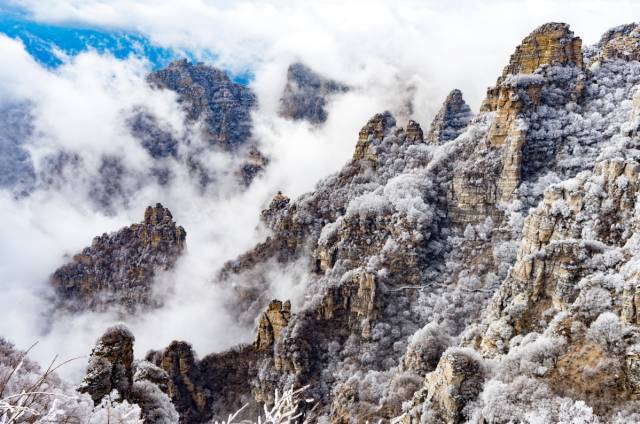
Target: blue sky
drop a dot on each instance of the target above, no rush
(45, 42)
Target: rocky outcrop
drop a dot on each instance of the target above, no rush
(632, 370)
(185, 385)
(208, 95)
(451, 120)
(307, 93)
(550, 44)
(112, 370)
(271, 324)
(622, 42)
(456, 382)
(374, 132)
(571, 226)
(414, 132)
(118, 269)
(545, 72)
(110, 365)
(375, 129)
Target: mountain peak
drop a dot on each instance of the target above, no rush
(451, 120)
(208, 94)
(157, 215)
(622, 42)
(550, 44)
(118, 269)
(375, 129)
(306, 93)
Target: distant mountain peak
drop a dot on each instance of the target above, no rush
(306, 94)
(452, 118)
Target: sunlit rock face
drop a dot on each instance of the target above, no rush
(271, 324)
(456, 382)
(306, 94)
(544, 74)
(117, 271)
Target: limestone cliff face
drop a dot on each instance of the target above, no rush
(550, 44)
(516, 95)
(306, 94)
(545, 71)
(271, 324)
(456, 382)
(117, 271)
(451, 119)
(561, 242)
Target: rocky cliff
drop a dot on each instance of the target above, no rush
(118, 269)
(489, 278)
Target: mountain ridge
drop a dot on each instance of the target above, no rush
(486, 272)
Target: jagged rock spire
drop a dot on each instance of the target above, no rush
(414, 132)
(550, 44)
(110, 365)
(376, 128)
(179, 361)
(271, 324)
(118, 269)
(451, 120)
